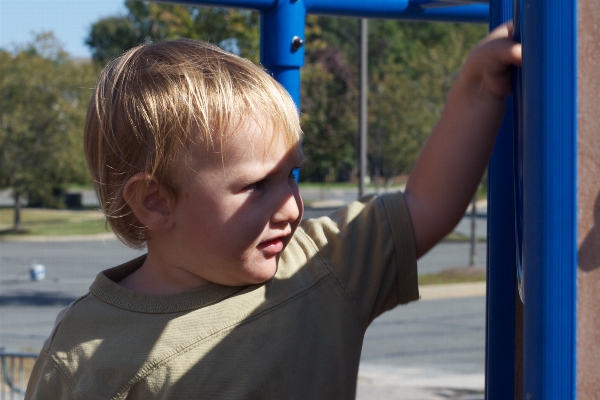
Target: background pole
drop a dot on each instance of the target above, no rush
(364, 69)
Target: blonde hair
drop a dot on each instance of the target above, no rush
(159, 104)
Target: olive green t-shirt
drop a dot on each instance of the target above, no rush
(297, 336)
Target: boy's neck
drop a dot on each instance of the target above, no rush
(153, 278)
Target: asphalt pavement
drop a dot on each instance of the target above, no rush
(426, 350)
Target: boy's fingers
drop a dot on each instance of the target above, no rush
(503, 31)
(490, 62)
(504, 50)
(508, 52)
(516, 52)
(499, 43)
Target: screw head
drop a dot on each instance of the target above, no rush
(297, 42)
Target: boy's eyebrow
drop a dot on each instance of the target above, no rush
(298, 161)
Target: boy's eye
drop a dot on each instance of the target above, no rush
(256, 185)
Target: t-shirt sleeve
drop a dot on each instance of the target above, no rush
(47, 381)
(370, 248)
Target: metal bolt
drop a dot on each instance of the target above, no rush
(297, 42)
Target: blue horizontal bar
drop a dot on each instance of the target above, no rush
(446, 3)
(398, 9)
(357, 8)
(419, 10)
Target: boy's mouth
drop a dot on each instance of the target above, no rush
(272, 246)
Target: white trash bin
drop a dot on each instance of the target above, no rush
(37, 271)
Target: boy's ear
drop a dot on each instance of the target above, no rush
(151, 203)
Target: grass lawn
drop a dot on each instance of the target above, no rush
(460, 237)
(454, 275)
(35, 221)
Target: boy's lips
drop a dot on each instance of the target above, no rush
(272, 246)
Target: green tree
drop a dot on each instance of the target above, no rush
(412, 67)
(232, 29)
(328, 109)
(43, 101)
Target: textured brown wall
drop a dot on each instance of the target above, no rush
(588, 197)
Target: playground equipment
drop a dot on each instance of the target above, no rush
(535, 181)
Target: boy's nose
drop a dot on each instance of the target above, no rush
(289, 208)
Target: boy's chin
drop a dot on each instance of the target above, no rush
(265, 273)
(267, 277)
(255, 277)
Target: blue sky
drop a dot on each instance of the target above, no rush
(70, 20)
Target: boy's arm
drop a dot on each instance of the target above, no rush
(454, 158)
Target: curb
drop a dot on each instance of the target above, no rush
(452, 291)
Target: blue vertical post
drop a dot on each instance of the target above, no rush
(550, 203)
(501, 267)
(282, 43)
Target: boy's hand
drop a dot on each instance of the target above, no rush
(447, 172)
(488, 68)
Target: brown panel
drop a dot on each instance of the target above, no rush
(588, 198)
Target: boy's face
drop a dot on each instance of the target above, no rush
(239, 209)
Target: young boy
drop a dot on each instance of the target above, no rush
(192, 151)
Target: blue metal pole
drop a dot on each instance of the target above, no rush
(501, 268)
(550, 203)
(282, 44)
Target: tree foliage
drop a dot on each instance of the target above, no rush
(234, 30)
(43, 101)
(328, 112)
(412, 67)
